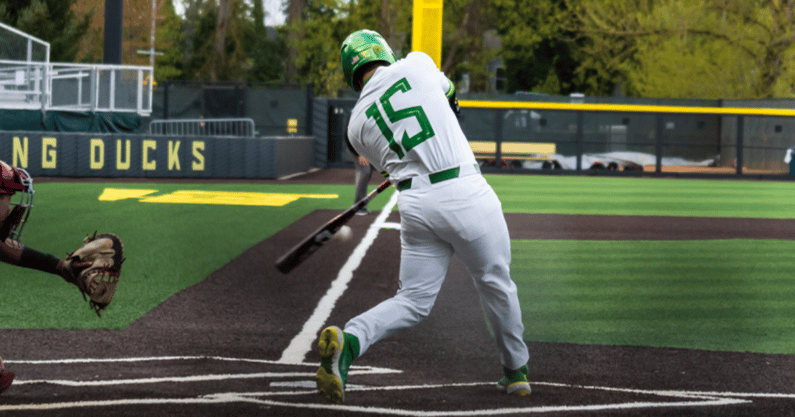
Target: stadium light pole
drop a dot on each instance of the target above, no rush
(152, 36)
(151, 50)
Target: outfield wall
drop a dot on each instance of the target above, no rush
(56, 154)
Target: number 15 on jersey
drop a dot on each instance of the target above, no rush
(407, 143)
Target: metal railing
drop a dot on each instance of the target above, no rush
(241, 127)
(61, 86)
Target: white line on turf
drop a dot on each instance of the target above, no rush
(681, 399)
(302, 343)
(361, 369)
(302, 387)
(391, 226)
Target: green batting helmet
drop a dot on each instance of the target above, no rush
(361, 47)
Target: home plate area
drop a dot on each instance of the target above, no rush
(94, 384)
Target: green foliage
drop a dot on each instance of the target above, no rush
(318, 61)
(265, 60)
(703, 49)
(52, 21)
(169, 38)
(247, 53)
(694, 49)
(326, 23)
(537, 48)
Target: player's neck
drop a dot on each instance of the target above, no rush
(367, 75)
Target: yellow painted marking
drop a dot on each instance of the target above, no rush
(116, 194)
(625, 108)
(231, 198)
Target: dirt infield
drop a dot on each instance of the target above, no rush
(219, 347)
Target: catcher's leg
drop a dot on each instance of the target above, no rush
(6, 377)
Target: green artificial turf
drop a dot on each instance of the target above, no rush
(710, 294)
(645, 196)
(732, 295)
(168, 247)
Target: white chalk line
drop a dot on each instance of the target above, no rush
(695, 398)
(301, 344)
(485, 412)
(362, 369)
(699, 399)
(142, 359)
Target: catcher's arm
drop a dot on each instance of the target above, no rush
(95, 268)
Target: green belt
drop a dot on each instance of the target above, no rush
(440, 176)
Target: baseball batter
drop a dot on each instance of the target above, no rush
(405, 124)
(94, 268)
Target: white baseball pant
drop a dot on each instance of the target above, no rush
(462, 216)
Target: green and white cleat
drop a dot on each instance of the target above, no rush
(336, 355)
(515, 382)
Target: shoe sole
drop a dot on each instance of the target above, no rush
(328, 378)
(520, 389)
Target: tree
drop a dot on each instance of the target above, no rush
(52, 21)
(217, 35)
(293, 33)
(267, 55)
(540, 52)
(463, 46)
(693, 49)
(316, 28)
(316, 33)
(136, 35)
(169, 42)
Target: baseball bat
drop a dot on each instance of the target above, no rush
(314, 241)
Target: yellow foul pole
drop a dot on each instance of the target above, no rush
(427, 29)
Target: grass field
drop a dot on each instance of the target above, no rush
(733, 295)
(712, 294)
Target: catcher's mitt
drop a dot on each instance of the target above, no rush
(95, 268)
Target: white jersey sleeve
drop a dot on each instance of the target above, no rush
(403, 123)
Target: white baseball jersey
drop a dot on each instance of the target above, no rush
(404, 126)
(403, 123)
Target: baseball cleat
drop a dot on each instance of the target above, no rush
(335, 359)
(6, 377)
(515, 382)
